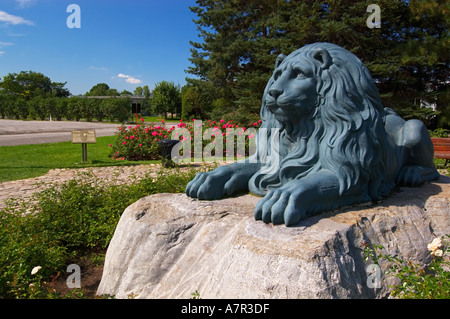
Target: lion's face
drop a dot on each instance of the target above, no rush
(292, 92)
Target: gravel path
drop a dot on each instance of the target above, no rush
(25, 188)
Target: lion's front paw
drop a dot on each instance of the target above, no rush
(284, 205)
(216, 184)
(206, 186)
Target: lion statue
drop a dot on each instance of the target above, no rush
(325, 141)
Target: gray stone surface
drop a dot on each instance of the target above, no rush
(169, 246)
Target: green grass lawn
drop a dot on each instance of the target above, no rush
(27, 161)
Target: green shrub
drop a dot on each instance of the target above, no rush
(416, 281)
(138, 142)
(61, 224)
(440, 132)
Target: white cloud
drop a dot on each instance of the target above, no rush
(5, 44)
(129, 78)
(96, 68)
(9, 18)
(16, 34)
(26, 3)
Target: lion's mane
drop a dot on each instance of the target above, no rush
(344, 133)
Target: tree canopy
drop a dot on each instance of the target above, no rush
(407, 56)
(102, 89)
(29, 84)
(166, 98)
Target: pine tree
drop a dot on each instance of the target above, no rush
(407, 56)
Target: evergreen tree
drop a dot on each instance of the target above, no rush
(242, 38)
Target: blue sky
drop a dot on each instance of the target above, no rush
(124, 43)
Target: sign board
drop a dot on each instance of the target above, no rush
(135, 108)
(84, 137)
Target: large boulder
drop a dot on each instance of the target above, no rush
(169, 246)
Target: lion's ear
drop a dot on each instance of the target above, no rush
(323, 57)
(280, 58)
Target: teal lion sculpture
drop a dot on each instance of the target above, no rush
(325, 141)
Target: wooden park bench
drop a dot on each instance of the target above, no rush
(441, 148)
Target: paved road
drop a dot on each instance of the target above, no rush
(14, 132)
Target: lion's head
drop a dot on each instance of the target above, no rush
(323, 107)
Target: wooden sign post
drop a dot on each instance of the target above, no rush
(136, 109)
(84, 137)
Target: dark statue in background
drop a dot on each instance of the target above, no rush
(325, 141)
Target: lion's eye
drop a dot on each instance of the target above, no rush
(276, 75)
(300, 74)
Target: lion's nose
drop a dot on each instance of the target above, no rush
(275, 93)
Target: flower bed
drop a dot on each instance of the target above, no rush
(214, 138)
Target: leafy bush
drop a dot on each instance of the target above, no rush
(118, 109)
(416, 281)
(141, 143)
(63, 223)
(440, 132)
(138, 142)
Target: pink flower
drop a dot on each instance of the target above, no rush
(140, 144)
(124, 143)
(142, 120)
(157, 127)
(255, 124)
(132, 136)
(109, 145)
(154, 133)
(221, 121)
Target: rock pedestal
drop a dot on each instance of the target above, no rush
(169, 246)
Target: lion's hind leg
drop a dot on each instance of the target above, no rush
(418, 153)
(415, 175)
